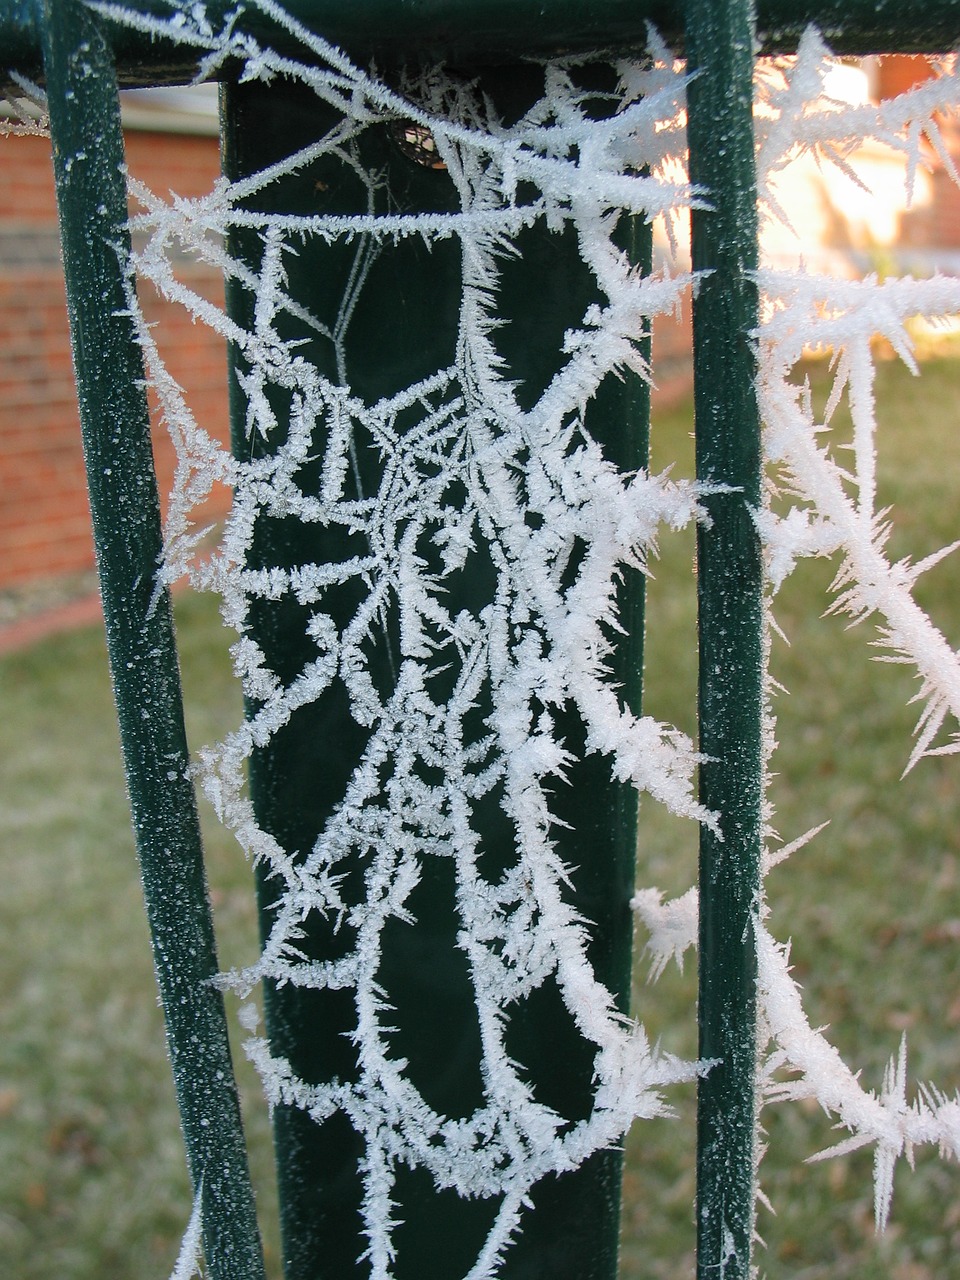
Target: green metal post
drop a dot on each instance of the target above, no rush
(404, 325)
(91, 194)
(720, 46)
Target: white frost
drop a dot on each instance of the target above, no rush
(190, 1257)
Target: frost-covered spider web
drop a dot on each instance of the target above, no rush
(817, 504)
(467, 483)
(474, 480)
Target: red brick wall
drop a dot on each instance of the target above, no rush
(44, 519)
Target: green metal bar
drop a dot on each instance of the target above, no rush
(404, 326)
(720, 45)
(91, 195)
(495, 31)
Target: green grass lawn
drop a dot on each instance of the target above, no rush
(92, 1180)
(92, 1174)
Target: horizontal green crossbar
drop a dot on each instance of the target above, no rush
(472, 31)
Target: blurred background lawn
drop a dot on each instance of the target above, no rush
(92, 1179)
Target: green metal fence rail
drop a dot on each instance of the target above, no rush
(494, 31)
(91, 195)
(81, 58)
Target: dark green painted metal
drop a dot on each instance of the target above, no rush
(21, 24)
(724, 246)
(495, 31)
(91, 194)
(405, 325)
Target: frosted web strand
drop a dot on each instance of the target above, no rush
(884, 1119)
(828, 508)
(831, 509)
(847, 316)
